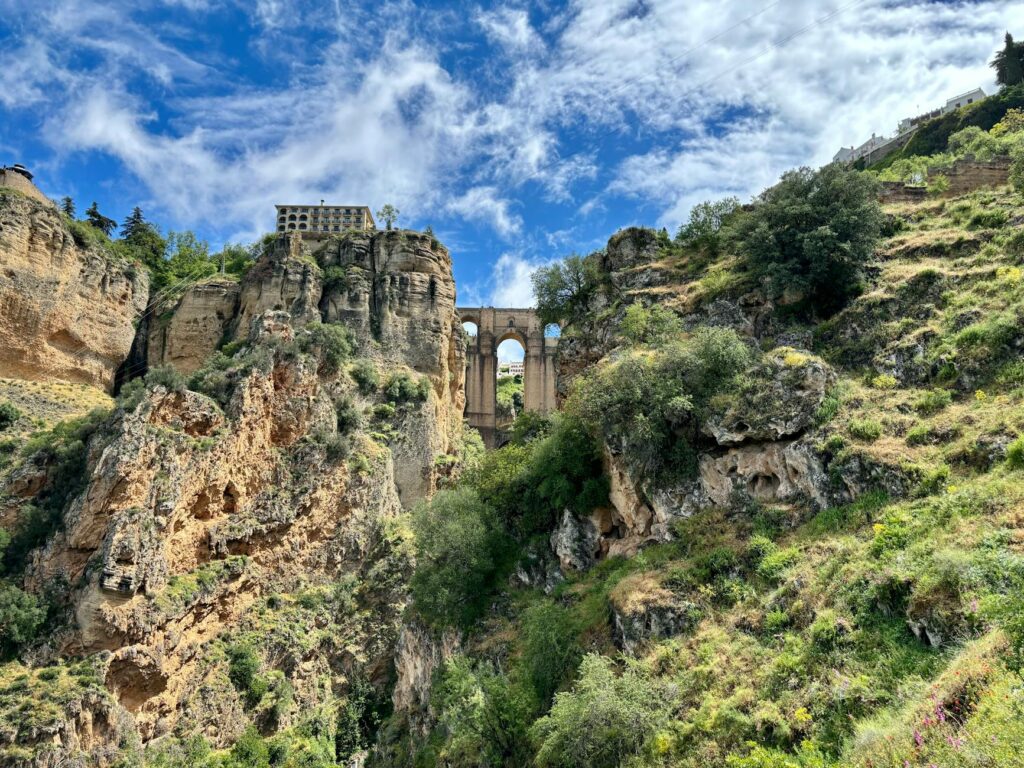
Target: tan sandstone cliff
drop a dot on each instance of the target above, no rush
(66, 312)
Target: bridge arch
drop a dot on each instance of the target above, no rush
(495, 325)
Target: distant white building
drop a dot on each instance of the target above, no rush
(905, 126)
(963, 100)
(510, 369)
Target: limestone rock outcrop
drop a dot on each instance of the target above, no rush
(185, 493)
(201, 320)
(67, 312)
(419, 653)
(643, 609)
(780, 401)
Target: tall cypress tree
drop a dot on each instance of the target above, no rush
(1009, 63)
(68, 206)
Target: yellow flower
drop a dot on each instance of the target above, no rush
(951, 489)
(663, 743)
(802, 716)
(980, 395)
(879, 527)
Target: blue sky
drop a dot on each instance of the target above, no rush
(519, 131)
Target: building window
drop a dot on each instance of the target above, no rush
(302, 226)
(292, 225)
(337, 228)
(280, 227)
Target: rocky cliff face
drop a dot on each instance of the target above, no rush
(250, 517)
(66, 312)
(393, 289)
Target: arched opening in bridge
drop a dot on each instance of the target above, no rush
(510, 386)
(471, 329)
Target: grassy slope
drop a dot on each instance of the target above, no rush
(807, 638)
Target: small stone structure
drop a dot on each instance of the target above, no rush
(493, 327)
(965, 175)
(19, 178)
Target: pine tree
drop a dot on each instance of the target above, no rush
(68, 206)
(133, 225)
(1009, 63)
(99, 221)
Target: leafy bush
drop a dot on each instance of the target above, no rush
(563, 290)
(704, 230)
(811, 234)
(933, 401)
(459, 549)
(650, 406)
(603, 721)
(550, 649)
(9, 414)
(992, 218)
(244, 667)
(884, 381)
(166, 376)
(65, 449)
(402, 388)
(364, 374)
(21, 616)
(650, 325)
(332, 344)
(348, 415)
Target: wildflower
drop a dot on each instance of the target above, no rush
(980, 395)
(951, 489)
(879, 528)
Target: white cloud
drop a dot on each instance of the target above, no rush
(510, 28)
(511, 282)
(486, 204)
(695, 99)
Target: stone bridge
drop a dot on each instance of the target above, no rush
(493, 327)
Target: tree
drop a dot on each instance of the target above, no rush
(189, 256)
(704, 229)
(563, 290)
(20, 618)
(603, 721)
(389, 215)
(133, 224)
(99, 221)
(68, 206)
(1009, 63)
(809, 237)
(458, 544)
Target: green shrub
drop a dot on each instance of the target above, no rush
(9, 414)
(401, 388)
(1015, 454)
(605, 720)
(775, 621)
(651, 405)
(459, 549)
(868, 430)
(550, 649)
(1015, 244)
(708, 221)
(826, 629)
(332, 344)
(934, 481)
(364, 374)
(650, 325)
(775, 563)
(166, 376)
(244, 666)
(991, 218)
(884, 381)
(348, 416)
(810, 235)
(21, 617)
(933, 401)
